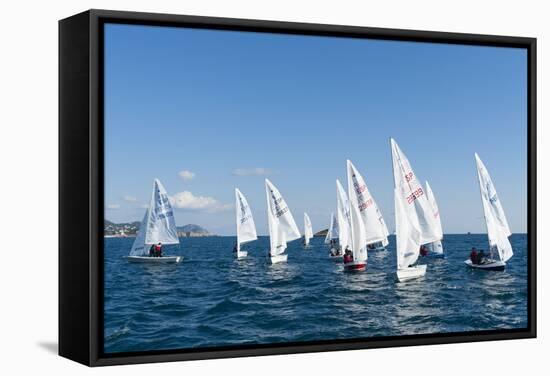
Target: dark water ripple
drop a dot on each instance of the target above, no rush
(211, 299)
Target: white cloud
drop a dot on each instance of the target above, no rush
(187, 200)
(144, 206)
(113, 206)
(131, 199)
(186, 175)
(257, 171)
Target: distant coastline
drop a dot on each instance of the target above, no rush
(130, 229)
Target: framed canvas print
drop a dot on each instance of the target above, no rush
(239, 187)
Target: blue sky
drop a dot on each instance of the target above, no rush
(207, 111)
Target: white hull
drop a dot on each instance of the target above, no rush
(413, 272)
(277, 259)
(155, 260)
(489, 265)
(241, 254)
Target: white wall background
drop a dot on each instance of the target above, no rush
(28, 189)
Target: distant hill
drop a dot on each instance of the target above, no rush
(112, 229)
(322, 233)
(192, 230)
(131, 229)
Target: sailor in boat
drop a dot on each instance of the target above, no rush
(156, 250)
(474, 255)
(235, 248)
(348, 256)
(423, 251)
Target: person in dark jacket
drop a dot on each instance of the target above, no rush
(152, 250)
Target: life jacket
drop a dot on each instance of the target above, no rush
(157, 248)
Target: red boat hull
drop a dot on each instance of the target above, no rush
(355, 267)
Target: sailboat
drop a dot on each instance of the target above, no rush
(282, 227)
(358, 233)
(332, 236)
(415, 222)
(435, 249)
(308, 230)
(343, 218)
(498, 231)
(246, 229)
(158, 226)
(375, 227)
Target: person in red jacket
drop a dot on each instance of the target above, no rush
(348, 256)
(474, 256)
(158, 250)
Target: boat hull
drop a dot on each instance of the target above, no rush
(413, 272)
(435, 255)
(355, 266)
(278, 259)
(491, 265)
(241, 254)
(155, 260)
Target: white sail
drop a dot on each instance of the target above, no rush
(282, 227)
(375, 227)
(139, 247)
(357, 225)
(332, 232)
(161, 226)
(436, 246)
(308, 229)
(498, 230)
(406, 234)
(246, 229)
(416, 205)
(344, 234)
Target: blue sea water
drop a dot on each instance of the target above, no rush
(212, 299)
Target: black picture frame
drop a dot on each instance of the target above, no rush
(81, 185)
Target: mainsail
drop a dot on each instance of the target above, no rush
(375, 227)
(332, 232)
(498, 230)
(342, 205)
(282, 227)
(358, 232)
(436, 246)
(246, 229)
(308, 229)
(414, 219)
(158, 224)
